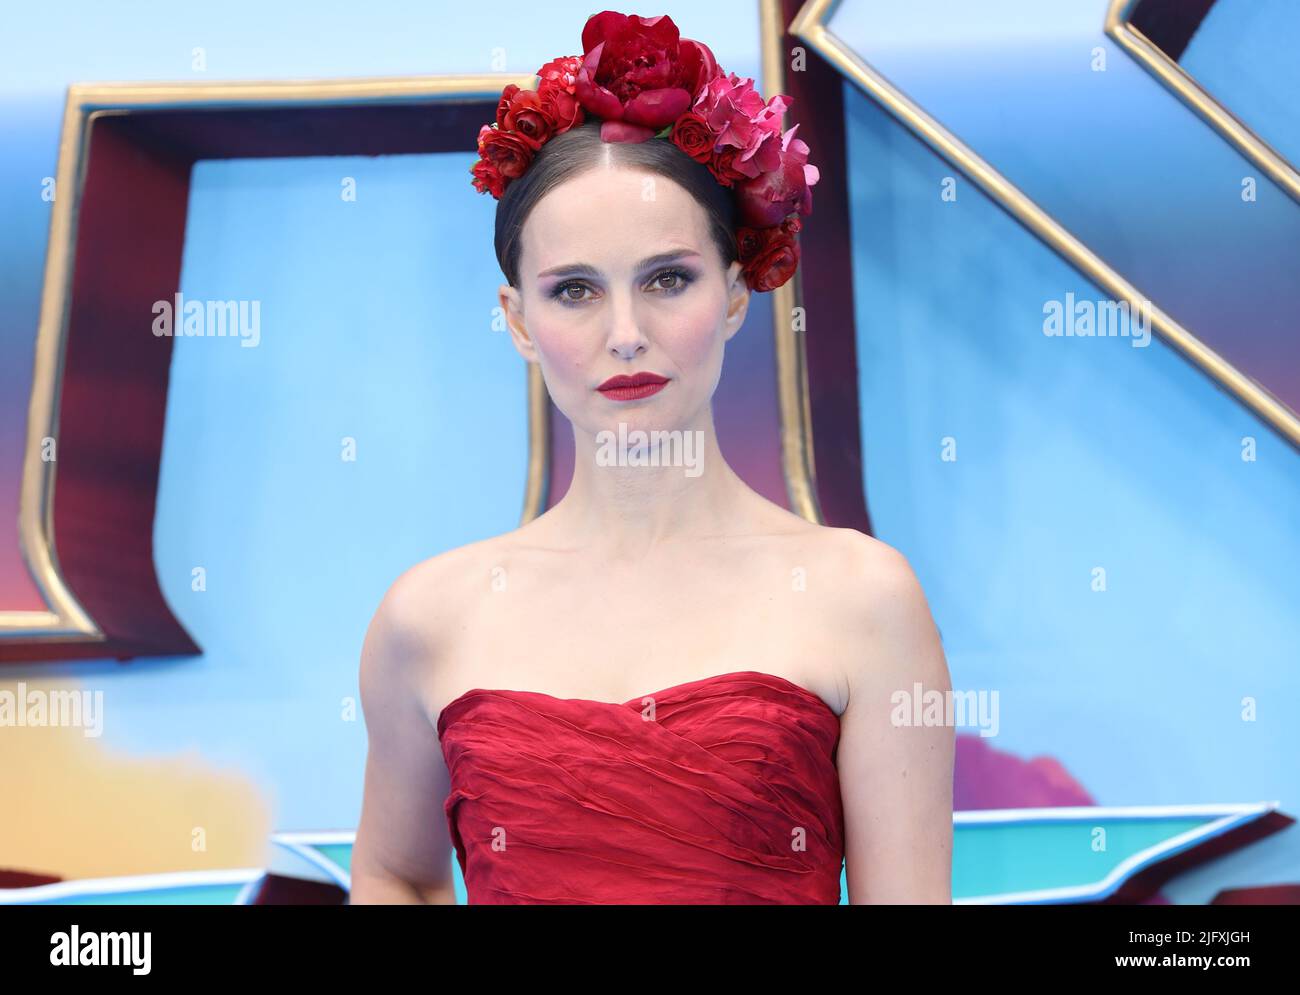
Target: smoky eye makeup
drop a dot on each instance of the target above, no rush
(570, 292)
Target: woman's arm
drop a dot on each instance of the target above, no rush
(402, 853)
(895, 779)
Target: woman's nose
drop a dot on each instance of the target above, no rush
(626, 339)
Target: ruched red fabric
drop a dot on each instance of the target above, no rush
(719, 791)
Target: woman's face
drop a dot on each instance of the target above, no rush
(619, 276)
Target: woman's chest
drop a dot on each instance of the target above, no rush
(616, 639)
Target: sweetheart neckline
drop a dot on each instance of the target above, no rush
(636, 698)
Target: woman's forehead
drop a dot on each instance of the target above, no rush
(619, 214)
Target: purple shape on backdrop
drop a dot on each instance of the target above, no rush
(985, 777)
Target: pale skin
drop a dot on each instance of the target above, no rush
(643, 578)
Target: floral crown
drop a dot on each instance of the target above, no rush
(642, 81)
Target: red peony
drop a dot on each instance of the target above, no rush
(769, 256)
(638, 75)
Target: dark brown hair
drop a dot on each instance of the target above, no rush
(579, 149)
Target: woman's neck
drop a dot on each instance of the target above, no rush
(631, 491)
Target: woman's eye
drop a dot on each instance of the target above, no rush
(566, 292)
(680, 280)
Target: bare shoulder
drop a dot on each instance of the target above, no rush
(876, 601)
(421, 614)
(876, 576)
(853, 570)
(844, 557)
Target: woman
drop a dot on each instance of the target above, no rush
(665, 689)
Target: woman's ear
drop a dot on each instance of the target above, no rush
(512, 307)
(737, 299)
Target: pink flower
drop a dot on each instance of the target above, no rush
(748, 132)
(770, 198)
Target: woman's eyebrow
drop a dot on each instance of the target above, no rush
(585, 269)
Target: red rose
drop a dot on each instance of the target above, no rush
(488, 179)
(508, 151)
(561, 73)
(722, 165)
(563, 109)
(556, 92)
(526, 117)
(693, 136)
(773, 195)
(503, 104)
(638, 71)
(769, 256)
(750, 242)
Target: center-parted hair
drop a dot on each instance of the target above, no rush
(580, 149)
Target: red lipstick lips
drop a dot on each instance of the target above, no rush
(632, 388)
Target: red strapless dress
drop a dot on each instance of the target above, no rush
(720, 791)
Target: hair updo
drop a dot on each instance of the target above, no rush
(577, 150)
